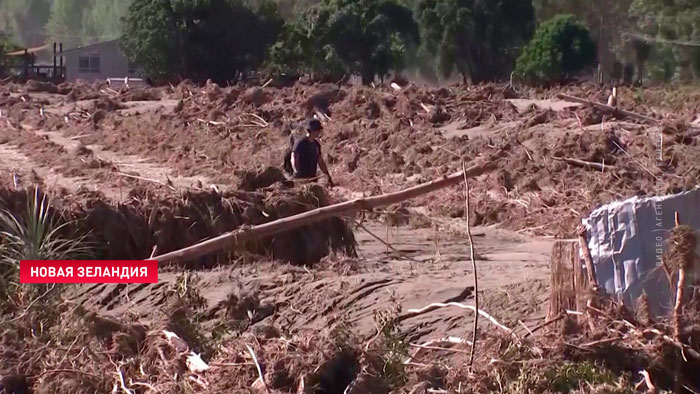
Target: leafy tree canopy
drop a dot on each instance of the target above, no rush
(478, 38)
(340, 37)
(560, 47)
(199, 39)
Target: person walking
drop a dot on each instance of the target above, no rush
(306, 155)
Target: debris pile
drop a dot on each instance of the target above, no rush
(154, 224)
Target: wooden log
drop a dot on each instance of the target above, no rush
(585, 164)
(242, 235)
(609, 109)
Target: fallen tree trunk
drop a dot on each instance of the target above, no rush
(242, 235)
(608, 109)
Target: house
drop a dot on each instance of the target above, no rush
(97, 62)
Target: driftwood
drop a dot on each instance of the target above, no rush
(585, 164)
(608, 109)
(242, 235)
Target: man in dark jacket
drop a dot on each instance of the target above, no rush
(306, 154)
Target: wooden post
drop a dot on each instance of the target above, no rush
(567, 282)
(53, 73)
(243, 235)
(60, 50)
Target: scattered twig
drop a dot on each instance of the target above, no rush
(211, 122)
(529, 332)
(263, 122)
(431, 307)
(435, 345)
(646, 380)
(261, 376)
(122, 383)
(145, 179)
(228, 364)
(153, 252)
(601, 341)
(387, 244)
(545, 324)
(634, 159)
(26, 310)
(68, 351)
(144, 384)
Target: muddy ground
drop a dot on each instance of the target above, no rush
(92, 146)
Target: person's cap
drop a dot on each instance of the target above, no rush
(314, 125)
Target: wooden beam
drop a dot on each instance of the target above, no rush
(244, 234)
(609, 109)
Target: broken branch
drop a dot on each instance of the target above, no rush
(608, 109)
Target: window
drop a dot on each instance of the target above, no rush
(83, 64)
(95, 64)
(89, 64)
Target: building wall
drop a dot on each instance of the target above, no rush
(112, 63)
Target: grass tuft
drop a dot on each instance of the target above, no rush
(35, 235)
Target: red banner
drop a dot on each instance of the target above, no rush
(88, 271)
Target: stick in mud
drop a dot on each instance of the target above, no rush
(242, 235)
(473, 259)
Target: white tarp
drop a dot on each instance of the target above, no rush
(627, 240)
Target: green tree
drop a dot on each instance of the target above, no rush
(199, 39)
(479, 39)
(606, 21)
(365, 37)
(560, 47)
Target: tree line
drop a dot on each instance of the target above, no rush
(477, 40)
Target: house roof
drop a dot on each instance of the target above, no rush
(29, 50)
(80, 48)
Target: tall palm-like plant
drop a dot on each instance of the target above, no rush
(37, 236)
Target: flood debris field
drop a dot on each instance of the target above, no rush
(336, 306)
